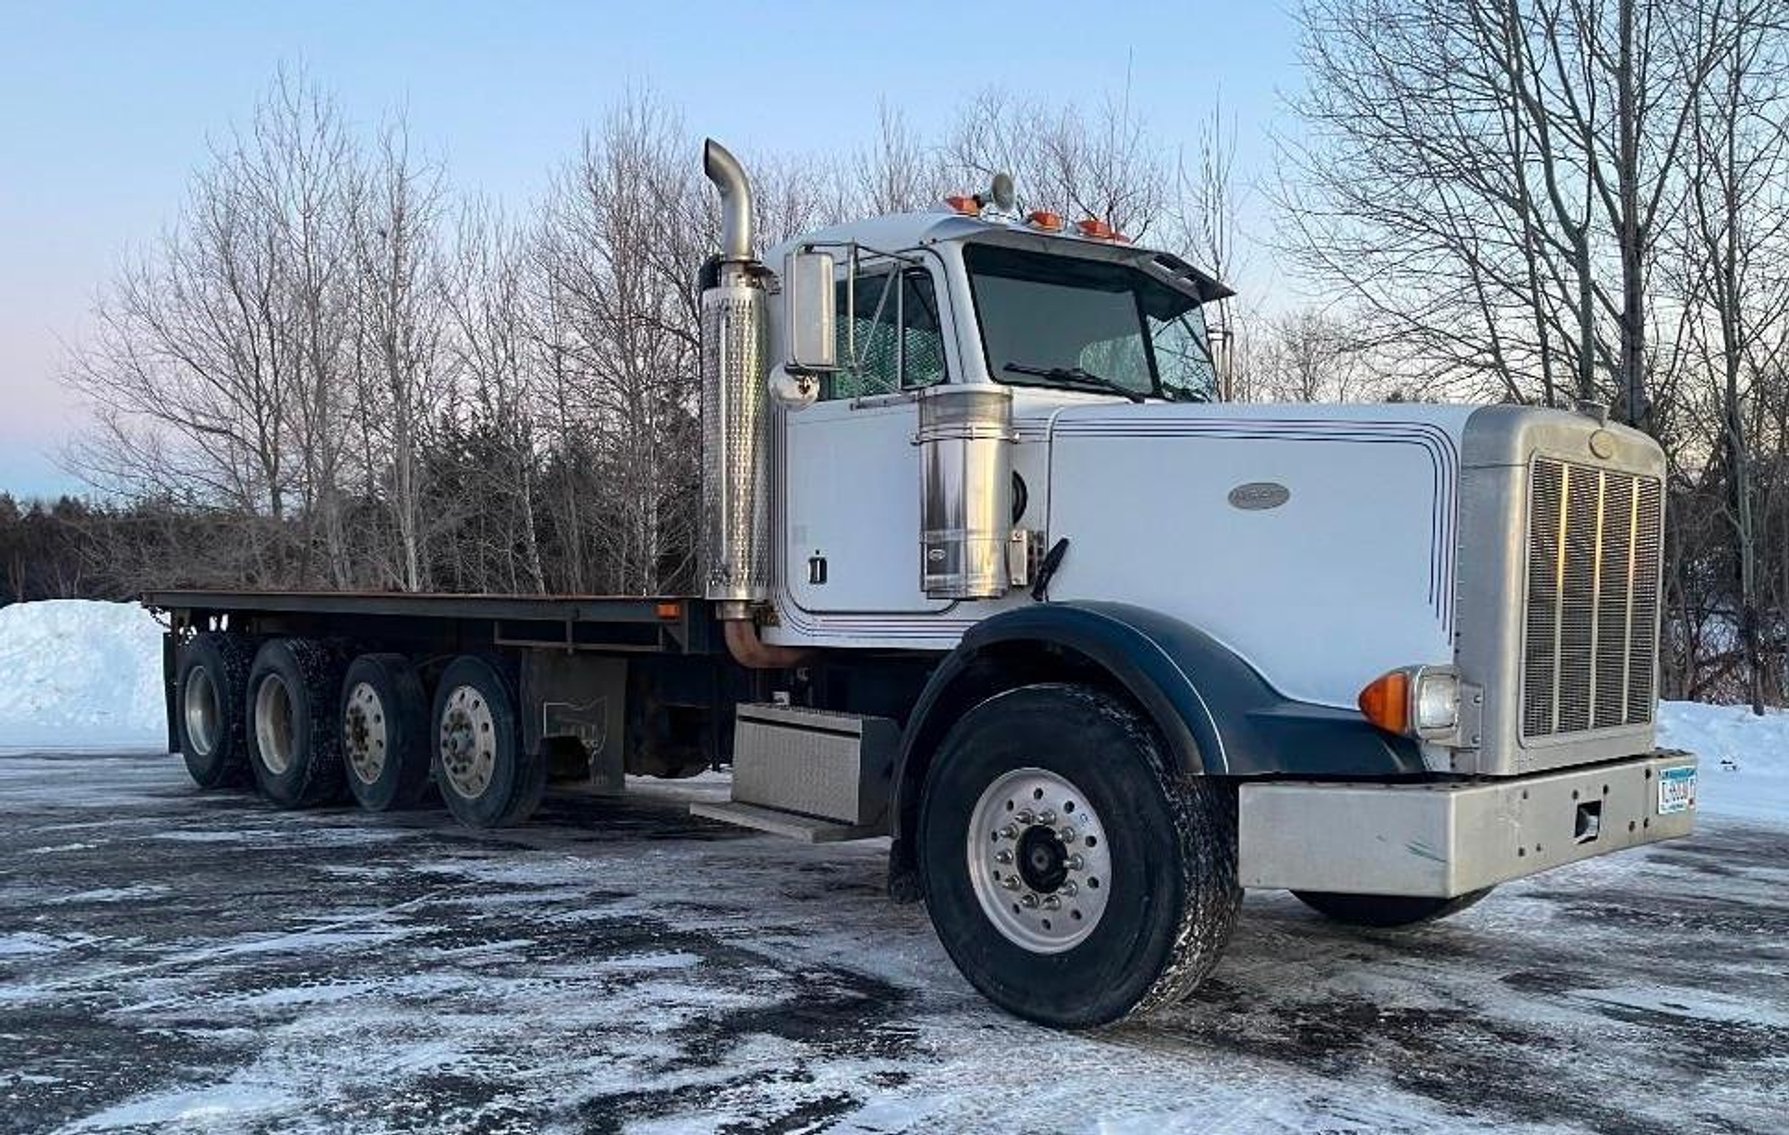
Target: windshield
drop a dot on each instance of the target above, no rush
(1088, 325)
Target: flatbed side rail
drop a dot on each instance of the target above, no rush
(630, 624)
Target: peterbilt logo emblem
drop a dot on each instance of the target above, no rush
(1259, 495)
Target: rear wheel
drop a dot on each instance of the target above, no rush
(1386, 911)
(294, 741)
(385, 732)
(209, 692)
(485, 777)
(1072, 874)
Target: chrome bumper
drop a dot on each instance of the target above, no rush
(1448, 838)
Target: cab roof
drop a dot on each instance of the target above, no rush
(897, 232)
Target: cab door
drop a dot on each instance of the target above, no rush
(851, 471)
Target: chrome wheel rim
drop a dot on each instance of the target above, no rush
(468, 742)
(274, 724)
(363, 733)
(1038, 860)
(201, 710)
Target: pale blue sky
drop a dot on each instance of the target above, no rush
(105, 108)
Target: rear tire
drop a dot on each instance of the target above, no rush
(210, 696)
(1386, 911)
(294, 737)
(1111, 890)
(485, 777)
(385, 732)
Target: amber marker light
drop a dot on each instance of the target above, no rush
(968, 206)
(1045, 220)
(670, 610)
(1386, 701)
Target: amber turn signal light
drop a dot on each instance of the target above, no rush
(968, 206)
(1386, 701)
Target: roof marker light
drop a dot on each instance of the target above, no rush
(1045, 220)
(967, 205)
(1095, 229)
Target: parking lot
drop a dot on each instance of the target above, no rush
(172, 960)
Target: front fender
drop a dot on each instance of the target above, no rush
(1216, 713)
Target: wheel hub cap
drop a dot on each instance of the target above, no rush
(203, 715)
(468, 742)
(1038, 860)
(275, 728)
(363, 729)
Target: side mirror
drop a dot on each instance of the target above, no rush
(809, 312)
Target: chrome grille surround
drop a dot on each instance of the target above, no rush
(1590, 622)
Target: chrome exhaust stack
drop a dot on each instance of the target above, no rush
(735, 535)
(735, 482)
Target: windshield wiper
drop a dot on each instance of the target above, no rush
(1074, 374)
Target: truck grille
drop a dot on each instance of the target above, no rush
(1593, 599)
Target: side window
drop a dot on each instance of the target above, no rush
(895, 328)
(922, 332)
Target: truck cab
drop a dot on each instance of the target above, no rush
(1413, 646)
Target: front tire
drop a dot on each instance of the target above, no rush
(1072, 873)
(485, 777)
(294, 738)
(1386, 911)
(210, 721)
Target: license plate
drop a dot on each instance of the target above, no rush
(1677, 789)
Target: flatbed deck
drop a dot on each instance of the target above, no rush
(678, 624)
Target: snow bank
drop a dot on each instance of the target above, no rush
(1744, 766)
(76, 674)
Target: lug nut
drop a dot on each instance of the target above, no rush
(1067, 835)
(1028, 901)
(1009, 832)
(1051, 902)
(1075, 863)
(1011, 882)
(1068, 889)
(1003, 856)
(1046, 817)
(1024, 816)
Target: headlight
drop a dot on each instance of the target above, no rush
(1437, 701)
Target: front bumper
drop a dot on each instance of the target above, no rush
(1451, 837)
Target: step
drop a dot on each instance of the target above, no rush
(793, 825)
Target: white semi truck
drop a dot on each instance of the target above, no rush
(989, 569)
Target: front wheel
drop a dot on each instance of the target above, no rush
(1072, 873)
(1386, 911)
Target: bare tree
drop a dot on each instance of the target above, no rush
(1310, 357)
(1487, 178)
(399, 325)
(219, 351)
